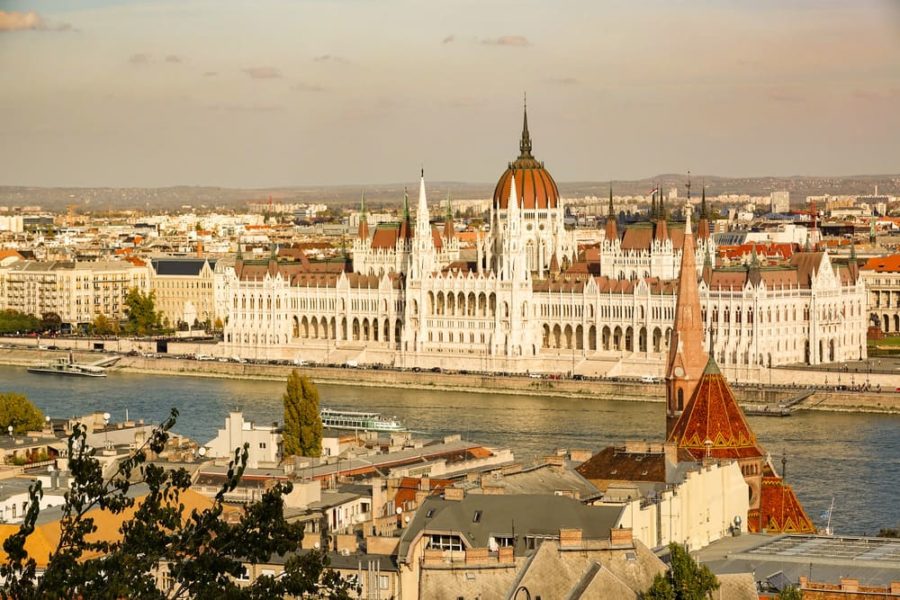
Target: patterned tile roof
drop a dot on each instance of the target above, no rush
(780, 511)
(713, 414)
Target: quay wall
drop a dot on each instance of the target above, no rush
(843, 401)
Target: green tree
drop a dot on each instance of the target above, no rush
(790, 593)
(51, 321)
(302, 434)
(685, 579)
(103, 325)
(142, 318)
(202, 553)
(13, 321)
(18, 411)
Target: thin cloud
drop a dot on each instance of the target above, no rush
(139, 59)
(307, 87)
(330, 58)
(449, 39)
(211, 74)
(28, 21)
(515, 41)
(263, 72)
(174, 59)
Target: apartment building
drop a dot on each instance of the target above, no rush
(77, 291)
(184, 289)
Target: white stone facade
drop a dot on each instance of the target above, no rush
(498, 315)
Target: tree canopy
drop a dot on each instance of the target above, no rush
(13, 321)
(103, 325)
(302, 435)
(141, 312)
(161, 550)
(18, 411)
(685, 579)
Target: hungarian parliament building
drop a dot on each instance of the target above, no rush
(528, 299)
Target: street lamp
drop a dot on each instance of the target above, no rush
(10, 430)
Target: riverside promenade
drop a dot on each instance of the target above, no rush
(887, 401)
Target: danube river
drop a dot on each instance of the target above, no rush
(854, 458)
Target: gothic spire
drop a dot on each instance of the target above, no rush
(525, 142)
(611, 229)
(612, 212)
(363, 231)
(703, 210)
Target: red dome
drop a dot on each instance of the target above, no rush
(535, 187)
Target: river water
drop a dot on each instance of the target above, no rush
(854, 458)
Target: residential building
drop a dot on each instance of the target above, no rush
(184, 290)
(881, 275)
(780, 202)
(264, 444)
(77, 291)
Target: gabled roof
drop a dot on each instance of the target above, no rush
(713, 414)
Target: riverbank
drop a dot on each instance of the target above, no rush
(872, 402)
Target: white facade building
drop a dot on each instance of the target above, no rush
(530, 300)
(264, 442)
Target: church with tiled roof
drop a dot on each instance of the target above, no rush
(712, 425)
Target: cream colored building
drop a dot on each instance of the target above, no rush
(77, 291)
(184, 289)
(710, 503)
(882, 277)
(264, 441)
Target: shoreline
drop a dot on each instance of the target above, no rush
(827, 401)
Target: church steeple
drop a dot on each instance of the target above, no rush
(686, 356)
(703, 226)
(448, 220)
(611, 229)
(525, 142)
(363, 231)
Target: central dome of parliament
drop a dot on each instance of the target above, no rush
(535, 187)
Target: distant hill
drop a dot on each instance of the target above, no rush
(172, 198)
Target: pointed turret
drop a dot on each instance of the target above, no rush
(363, 231)
(686, 355)
(554, 265)
(525, 142)
(707, 266)
(754, 274)
(449, 230)
(853, 263)
(703, 225)
(423, 259)
(611, 229)
(406, 231)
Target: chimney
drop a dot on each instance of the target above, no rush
(621, 536)
(570, 538)
(849, 585)
(454, 493)
(505, 555)
(476, 555)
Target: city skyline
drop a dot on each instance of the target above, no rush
(308, 93)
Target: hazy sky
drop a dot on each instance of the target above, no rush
(280, 92)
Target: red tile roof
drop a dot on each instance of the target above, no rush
(780, 511)
(712, 414)
(883, 264)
